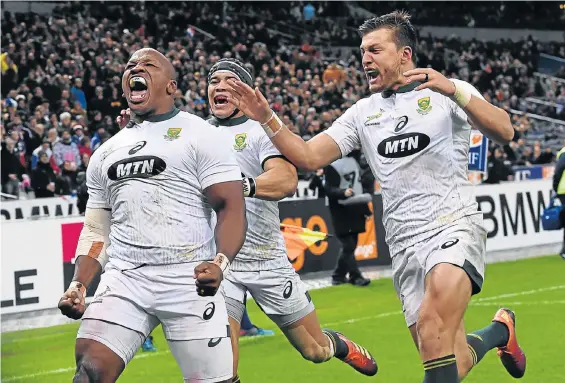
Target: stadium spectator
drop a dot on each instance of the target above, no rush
(72, 77)
(43, 177)
(497, 170)
(342, 182)
(65, 150)
(12, 169)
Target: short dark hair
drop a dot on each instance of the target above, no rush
(399, 23)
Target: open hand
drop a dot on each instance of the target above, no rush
(250, 101)
(431, 79)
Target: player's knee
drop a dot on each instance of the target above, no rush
(88, 371)
(431, 331)
(315, 353)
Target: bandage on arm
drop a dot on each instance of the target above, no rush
(90, 256)
(320, 151)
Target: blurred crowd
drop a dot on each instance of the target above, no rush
(61, 75)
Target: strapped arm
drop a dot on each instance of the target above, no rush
(90, 256)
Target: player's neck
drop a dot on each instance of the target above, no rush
(401, 85)
(159, 117)
(237, 119)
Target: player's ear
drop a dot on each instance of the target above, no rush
(406, 55)
(171, 87)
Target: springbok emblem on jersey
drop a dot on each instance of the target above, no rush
(240, 141)
(424, 105)
(172, 134)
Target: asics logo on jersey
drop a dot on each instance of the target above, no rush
(403, 145)
(402, 121)
(136, 167)
(209, 312)
(213, 342)
(448, 244)
(138, 146)
(287, 292)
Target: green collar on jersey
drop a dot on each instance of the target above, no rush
(403, 89)
(163, 117)
(228, 121)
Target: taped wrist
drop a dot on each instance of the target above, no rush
(222, 261)
(94, 237)
(79, 287)
(249, 187)
(273, 125)
(462, 95)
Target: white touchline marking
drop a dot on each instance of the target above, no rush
(528, 292)
(477, 302)
(511, 304)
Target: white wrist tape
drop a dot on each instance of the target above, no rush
(94, 237)
(79, 287)
(273, 125)
(222, 261)
(462, 94)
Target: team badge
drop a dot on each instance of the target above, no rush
(424, 105)
(172, 134)
(240, 142)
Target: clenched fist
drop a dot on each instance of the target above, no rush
(208, 278)
(72, 302)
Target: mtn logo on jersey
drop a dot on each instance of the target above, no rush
(403, 145)
(136, 167)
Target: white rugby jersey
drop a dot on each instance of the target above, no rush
(264, 247)
(417, 145)
(152, 177)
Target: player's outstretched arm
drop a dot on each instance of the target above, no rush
(492, 121)
(277, 182)
(312, 155)
(90, 259)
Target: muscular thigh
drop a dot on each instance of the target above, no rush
(122, 300)
(204, 360)
(462, 245)
(114, 344)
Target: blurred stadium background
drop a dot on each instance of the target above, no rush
(61, 92)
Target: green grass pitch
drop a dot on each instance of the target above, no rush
(534, 288)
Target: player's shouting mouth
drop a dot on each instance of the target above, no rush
(142, 72)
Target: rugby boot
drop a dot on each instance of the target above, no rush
(357, 356)
(511, 355)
